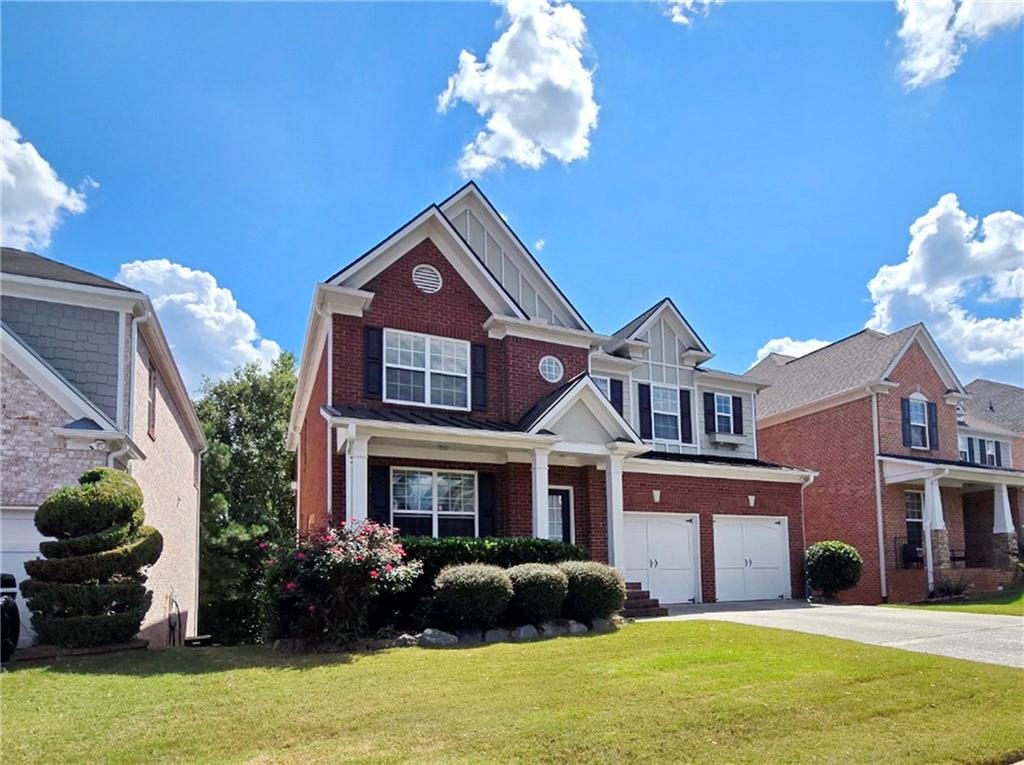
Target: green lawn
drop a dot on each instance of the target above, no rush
(1008, 603)
(686, 692)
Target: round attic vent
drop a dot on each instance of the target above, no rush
(426, 278)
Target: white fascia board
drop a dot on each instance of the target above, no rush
(708, 470)
(84, 295)
(727, 382)
(667, 305)
(605, 362)
(82, 437)
(499, 327)
(68, 398)
(984, 430)
(464, 436)
(935, 356)
(820, 405)
(586, 391)
(432, 224)
(903, 470)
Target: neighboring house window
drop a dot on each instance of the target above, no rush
(604, 385)
(434, 503)
(151, 402)
(914, 502)
(665, 413)
(962, 441)
(420, 369)
(918, 424)
(723, 413)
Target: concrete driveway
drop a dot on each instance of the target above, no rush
(977, 637)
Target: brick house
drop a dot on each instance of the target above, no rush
(88, 380)
(448, 386)
(924, 488)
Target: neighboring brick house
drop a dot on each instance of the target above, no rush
(449, 387)
(89, 380)
(923, 488)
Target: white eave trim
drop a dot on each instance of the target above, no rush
(85, 295)
(499, 327)
(918, 471)
(601, 361)
(711, 470)
(586, 391)
(418, 432)
(821, 404)
(935, 356)
(726, 381)
(84, 436)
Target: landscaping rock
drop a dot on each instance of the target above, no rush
(470, 637)
(602, 625)
(578, 628)
(432, 638)
(497, 636)
(405, 640)
(525, 632)
(380, 644)
(553, 629)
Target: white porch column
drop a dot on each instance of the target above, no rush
(540, 493)
(616, 521)
(934, 521)
(356, 479)
(1003, 522)
(933, 505)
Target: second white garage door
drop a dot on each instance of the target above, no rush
(751, 558)
(662, 554)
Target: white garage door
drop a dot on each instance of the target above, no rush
(751, 558)
(19, 542)
(661, 554)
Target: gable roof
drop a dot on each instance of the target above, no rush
(855, 362)
(21, 263)
(997, 403)
(639, 324)
(551, 407)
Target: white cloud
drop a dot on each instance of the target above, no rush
(684, 11)
(533, 89)
(952, 259)
(935, 33)
(209, 334)
(539, 244)
(34, 198)
(787, 346)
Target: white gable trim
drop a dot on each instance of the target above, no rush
(586, 391)
(432, 224)
(935, 356)
(471, 189)
(669, 306)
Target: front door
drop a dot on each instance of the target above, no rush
(661, 555)
(560, 514)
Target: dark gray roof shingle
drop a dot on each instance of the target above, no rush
(20, 263)
(998, 403)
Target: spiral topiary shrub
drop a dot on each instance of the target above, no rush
(538, 592)
(832, 567)
(473, 595)
(596, 591)
(89, 589)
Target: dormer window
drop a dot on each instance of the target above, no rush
(918, 424)
(665, 410)
(723, 413)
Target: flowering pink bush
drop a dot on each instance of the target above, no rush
(320, 587)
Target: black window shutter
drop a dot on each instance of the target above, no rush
(933, 426)
(643, 408)
(686, 416)
(970, 450)
(737, 415)
(479, 376)
(905, 417)
(380, 494)
(709, 412)
(615, 394)
(981, 451)
(999, 454)
(485, 504)
(373, 362)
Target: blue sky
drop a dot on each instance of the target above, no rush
(759, 164)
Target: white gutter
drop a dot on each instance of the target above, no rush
(136, 320)
(878, 497)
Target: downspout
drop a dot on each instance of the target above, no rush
(876, 450)
(136, 321)
(803, 529)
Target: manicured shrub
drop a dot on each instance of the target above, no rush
(471, 595)
(320, 587)
(832, 567)
(538, 592)
(89, 589)
(595, 590)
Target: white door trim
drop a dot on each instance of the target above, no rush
(698, 595)
(787, 578)
(572, 511)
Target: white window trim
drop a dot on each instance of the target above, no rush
(962, 451)
(732, 424)
(608, 384)
(572, 512)
(989, 451)
(678, 415)
(427, 371)
(434, 514)
(907, 519)
(918, 399)
(555, 359)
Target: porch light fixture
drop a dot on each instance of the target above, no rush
(751, 499)
(656, 495)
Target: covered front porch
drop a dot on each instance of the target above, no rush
(949, 523)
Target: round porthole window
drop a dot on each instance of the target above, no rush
(426, 278)
(551, 369)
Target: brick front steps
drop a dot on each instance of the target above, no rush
(640, 604)
(48, 652)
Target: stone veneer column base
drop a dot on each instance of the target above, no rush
(1004, 550)
(940, 548)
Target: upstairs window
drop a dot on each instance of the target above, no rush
(723, 413)
(604, 385)
(421, 369)
(986, 452)
(665, 413)
(964, 451)
(918, 424)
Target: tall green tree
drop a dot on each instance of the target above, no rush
(246, 491)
